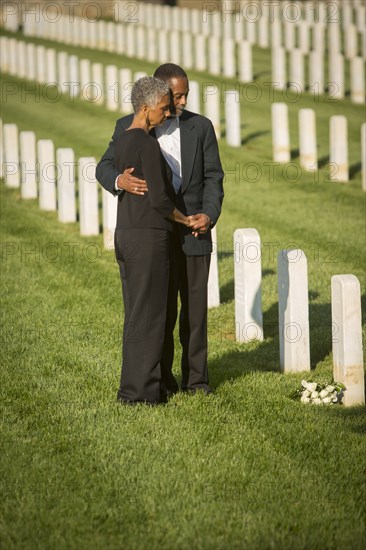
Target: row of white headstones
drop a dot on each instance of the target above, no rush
(35, 168)
(98, 84)
(259, 23)
(226, 57)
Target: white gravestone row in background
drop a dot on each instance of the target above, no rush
(338, 140)
(37, 162)
(71, 75)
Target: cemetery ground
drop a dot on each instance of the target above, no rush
(245, 468)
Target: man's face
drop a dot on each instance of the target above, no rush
(180, 89)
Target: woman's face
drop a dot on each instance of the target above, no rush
(160, 112)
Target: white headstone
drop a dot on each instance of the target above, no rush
(187, 38)
(31, 61)
(318, 37)
(248, 285)
(194, 103)
(111, 83)
(338, 140)
(360, 17)
(85, 78)
(336, 76)
(163, 46)
(276, 35)
(293, 311)
(263, 40)
(22, 59)
(97, 87)
(358, 80)
(4, 58)
(1, 150)
(174, 47)
(304, 37)
(51, 66)
(141, 42)
(232, 118)
(102, 34)
(11, 155)
(211, 103)
(111, 36)
(47, 174)
(13, 55)
(289, 28)
(63, 72)
(41, 64)
(334, 38)
(307, 139)
(27, 141)
(196, 18)
(229, 70)
(126, 84)
(347, 338)
(350, 42)
(109, 218)
(88, 197)
(120, 38)
(239, 30)
(130, 41)
(363, 155)
(74, 76)
(297, 70)
(213, 287)
(214, 55)
(65, 159)
(279, 68)
(316, 73)
(250, 34)
(280, 133)
(200, 53)
(152, 50)
(245, 62)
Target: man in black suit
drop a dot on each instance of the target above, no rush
(189, 145)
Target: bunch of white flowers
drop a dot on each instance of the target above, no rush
(326, 394)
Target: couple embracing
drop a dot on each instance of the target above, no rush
(163, 164)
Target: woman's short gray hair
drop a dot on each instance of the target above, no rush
(148, 91)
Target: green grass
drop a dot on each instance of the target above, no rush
(245, 469)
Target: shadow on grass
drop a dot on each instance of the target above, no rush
(252, 136)
(264, 357)
(324, 161)
(354, 170)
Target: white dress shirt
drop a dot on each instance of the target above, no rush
(168, 136)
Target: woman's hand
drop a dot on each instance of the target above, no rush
(190, 222)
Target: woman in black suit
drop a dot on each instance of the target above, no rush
(142, 236)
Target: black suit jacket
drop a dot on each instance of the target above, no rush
(202, 175)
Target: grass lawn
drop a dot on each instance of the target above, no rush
(247, 468)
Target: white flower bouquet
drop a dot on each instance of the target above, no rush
(319, 394)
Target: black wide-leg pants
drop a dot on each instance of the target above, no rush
(143, 258)
(189, 278)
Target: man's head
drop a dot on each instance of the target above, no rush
(177, 80)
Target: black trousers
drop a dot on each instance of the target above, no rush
(188, 278)
(143, 258)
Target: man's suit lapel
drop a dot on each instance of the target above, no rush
(188, 148)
